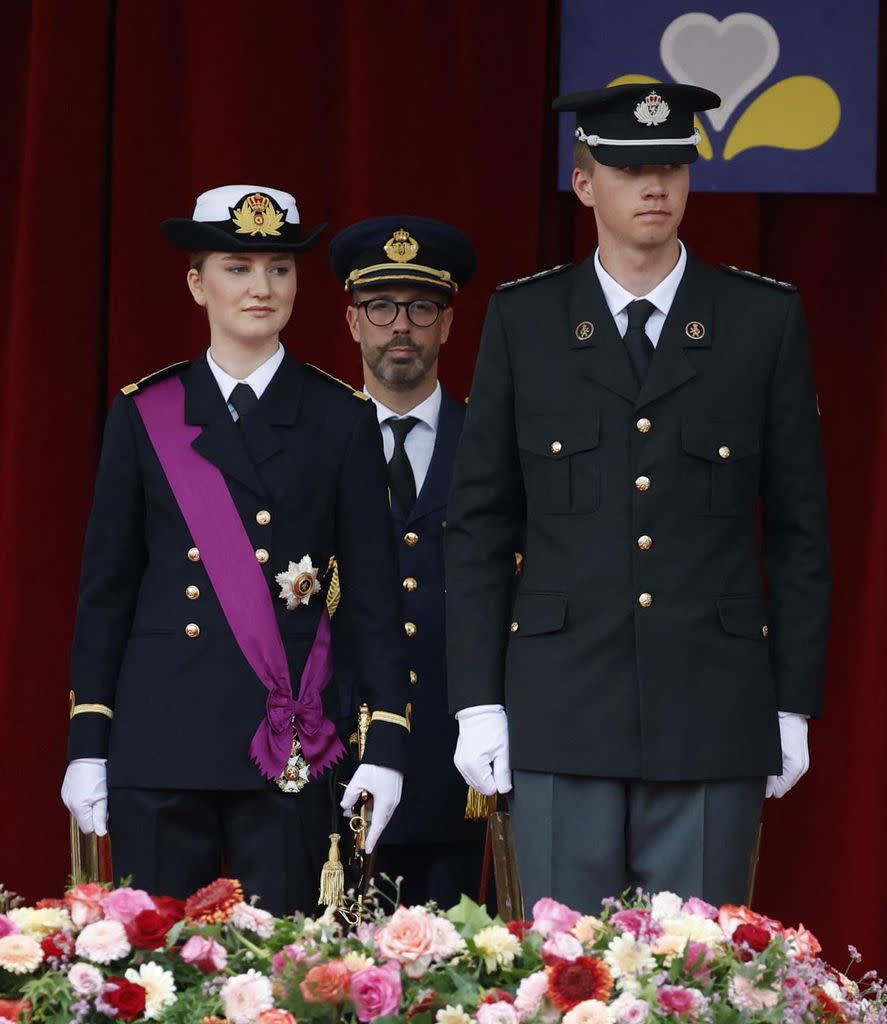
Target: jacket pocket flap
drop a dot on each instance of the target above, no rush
(545, 435)
(721, 442)
(537, 613)
(744, 616)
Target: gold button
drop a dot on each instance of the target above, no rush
(410, 584)
(724, 452)
(192, 593)
(262, 555)
(410, 628)
(515, 627)
(765, 631)
(414, 677)
(411, 539)
(192, 630)
(642, 483)
(263, 518)
(645, 543)
(645, 600)
(194, 555)
(644, 425)
(556, 447)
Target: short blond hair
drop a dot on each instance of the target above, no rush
(583, 158)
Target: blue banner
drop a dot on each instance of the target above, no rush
(798, 80)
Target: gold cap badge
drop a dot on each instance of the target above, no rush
(401, 247)
(257, 215)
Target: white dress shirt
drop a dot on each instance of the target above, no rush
(661, 296)
(419, 443)
(258, 380)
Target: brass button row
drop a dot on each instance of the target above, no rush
(642, 483)
(765, 631)
(724, 452)
(645, 600)
(414, 677)
(645, 543)
(410, 628)
(262, 556)
(515, 627)
(410, 584)
(644, 425)
(192, 630)
(193, 554)
(263, 518)
(192, 593)
(411, 539)
(556, 447)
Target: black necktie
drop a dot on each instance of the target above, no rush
(400, 472)
(243, 398)
(639, 346)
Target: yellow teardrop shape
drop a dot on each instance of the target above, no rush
(801, 112)
(706, 151)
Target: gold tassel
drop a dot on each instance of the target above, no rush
(479, 807)
(332, 876)
(334, 591)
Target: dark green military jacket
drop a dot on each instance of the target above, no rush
(675, 589)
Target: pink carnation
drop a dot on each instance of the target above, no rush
(561, 946)
(294, 953)
(245, 996)
(630, 1010)
(447, 941)
(679, 1000)
(700, 908)
(530, 993)
(639, 923)
(103, 942)
(206, 955)
(550, 917)
(377, 992)
(84, 903)
(746, 995)
(500, 1012)
(126, 904)
(7, 927)
(85, 979)
(251, 919)
(697, 961)
(408, 936)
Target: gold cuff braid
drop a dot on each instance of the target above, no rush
(388, 716)
(85, 709)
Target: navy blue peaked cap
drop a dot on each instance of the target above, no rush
(403, 249)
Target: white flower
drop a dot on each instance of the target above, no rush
(530, 993)
(103, 942)
(692, 927)
(587, 928)
(20, 954)
(159, 986)
(452, 1015)
(628, 956)
(590, 1011)
(245, 996)
(85, 979)
(38, 922)
(299, 583)
(497, 946)
(447, 941)
(665, 905)
(251, 919)
(629, 1010)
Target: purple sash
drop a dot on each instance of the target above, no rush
(237, 578)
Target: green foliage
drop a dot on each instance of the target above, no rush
(52, 998)
(469, 918)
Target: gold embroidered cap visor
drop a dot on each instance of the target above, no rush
(629, 125)
(242, 218)
(403, 250)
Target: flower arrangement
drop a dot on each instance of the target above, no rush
(100, 955)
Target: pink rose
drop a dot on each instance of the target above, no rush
(85, 979)
(560, 946)
(700, 908)
(84, 903)
(530, 993)
(730, 917)
(126, 904)
(206, 955)
(497, 1013)
(327, 983)
(698, 960)
(800, 943)
(7, 927)
(376, 991)
(679, 1000)
(294, 953)
(549, 917)
(639, 923)
(408, 936)
(276, 1017)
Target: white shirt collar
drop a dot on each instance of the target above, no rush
(258, 380)
(662, 296)
(428, 412)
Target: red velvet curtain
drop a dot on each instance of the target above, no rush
(117, 113)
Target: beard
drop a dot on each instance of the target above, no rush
(400, 373)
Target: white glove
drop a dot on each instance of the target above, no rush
(483, 741)
(384, 785)
(795, 756)
(85, 794)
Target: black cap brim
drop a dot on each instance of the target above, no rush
(200, 236)
(635, 156)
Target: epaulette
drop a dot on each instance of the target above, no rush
(167, 371)
(785, 286)
(335, 380)
(559, 269)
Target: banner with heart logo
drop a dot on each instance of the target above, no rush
(798, 82)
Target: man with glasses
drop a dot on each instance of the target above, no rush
(402, 274)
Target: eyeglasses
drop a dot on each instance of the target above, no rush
(383, 312)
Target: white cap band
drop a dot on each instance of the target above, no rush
(596, 140)
(217, 203)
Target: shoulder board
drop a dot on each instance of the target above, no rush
(152, 378)
(786, 286)
(335, 380)
(560, 268)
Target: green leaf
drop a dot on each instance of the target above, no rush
(172, 936)
(468, 917)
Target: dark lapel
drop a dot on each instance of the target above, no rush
(436, 487)
(693, 305)
(601, 356)
(220, 441)
(266, 429)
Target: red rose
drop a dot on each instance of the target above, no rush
(573, 981)
(170, 906)
(753, 935)
(519, 929)
(58, 945)
(497, 995)
(148, 929)
(15, 1009)
(127, 998)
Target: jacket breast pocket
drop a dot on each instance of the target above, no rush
(744, 616)
(560, 463)
(537, 613)
(723, 466)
